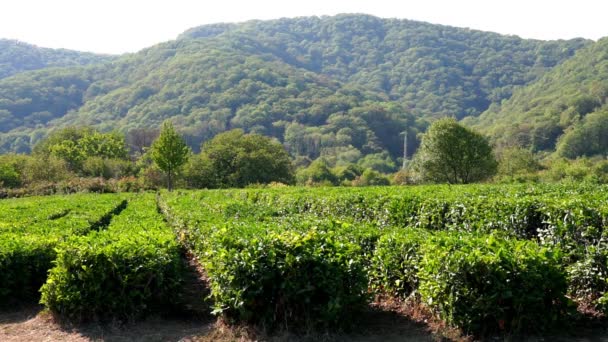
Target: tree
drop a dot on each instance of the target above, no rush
(139, 139)
(586, 139)
(75, 145)
(169, 152)
(318, 172)
(238, 159)
(452, 153)
(514, 161)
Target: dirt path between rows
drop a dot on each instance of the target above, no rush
(34, 324)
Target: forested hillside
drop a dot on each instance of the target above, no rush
(565, 110)
(343, 87)
(16, 57)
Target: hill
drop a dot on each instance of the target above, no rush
(564, 107)
(343, 87)
(16, 57)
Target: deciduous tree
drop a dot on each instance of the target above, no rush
(169, 152)
(452, 153)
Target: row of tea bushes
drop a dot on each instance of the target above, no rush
(31, 229)
(269, 273)
(127, 270)
(301, 270)
(571, 218)
(480, 283)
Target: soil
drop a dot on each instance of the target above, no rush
(35, 324)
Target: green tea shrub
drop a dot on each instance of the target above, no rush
(395, 263)
(588, 277)
(485, 284)
(102, 276)
(24, 263)
(289, 279)
(131, 268)
(31, 228)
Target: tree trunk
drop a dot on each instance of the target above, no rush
(170, 181)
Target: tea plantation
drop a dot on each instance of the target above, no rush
(486, 259)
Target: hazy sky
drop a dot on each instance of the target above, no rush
(116, 26)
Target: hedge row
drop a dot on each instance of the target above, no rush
(31, 230)
(302, 269)
(269, 273)
(125, 271)
(571, 218)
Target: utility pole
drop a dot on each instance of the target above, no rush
(404, 150)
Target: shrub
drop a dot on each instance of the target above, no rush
(588, 277)
(24, 263)
(123, 272)
(394, 266)
(486, 284)
(31, 229)
(299, 280)
(9, 177)
(104, 276)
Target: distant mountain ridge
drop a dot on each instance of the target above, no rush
(541, 114)
(16, 57)
(344, 87)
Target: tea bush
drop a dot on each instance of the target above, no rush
(131, 268)
(30, 230)
(487, 284)
(395, 262)
(287, 278)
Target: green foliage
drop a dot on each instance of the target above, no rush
(371, 177)
(24, 263)
(169, 152)
(345, 174)
(380, 162)
(515, 162)
(75, 145)
(295, 279)
(553, 106)
(486, 284)
(486, 258)
(130, 269)
(108, 168)
(40, 168)
(454, 154)
(16, 57)
(318, 172)
(587, 139)
(587, 279)
(31, 229)
(345, 86)
(236, 159)
(9, 177)
(395, 262)
(475, 272)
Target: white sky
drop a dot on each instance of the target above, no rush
(116, 26)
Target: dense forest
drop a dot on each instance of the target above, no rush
(566, 110)
(16, 57)
(344, 88)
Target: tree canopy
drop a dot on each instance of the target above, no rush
(236, 159)
(340, 87)
(75, 145)
(452, 153)
(16, 57)
(552, 111)
(169, 152)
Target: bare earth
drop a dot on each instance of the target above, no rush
(34, 324)
(386, 322)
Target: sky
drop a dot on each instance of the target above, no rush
(119, 26)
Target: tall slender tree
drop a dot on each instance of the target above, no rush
(169, 152)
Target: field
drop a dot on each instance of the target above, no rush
(472, 261)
